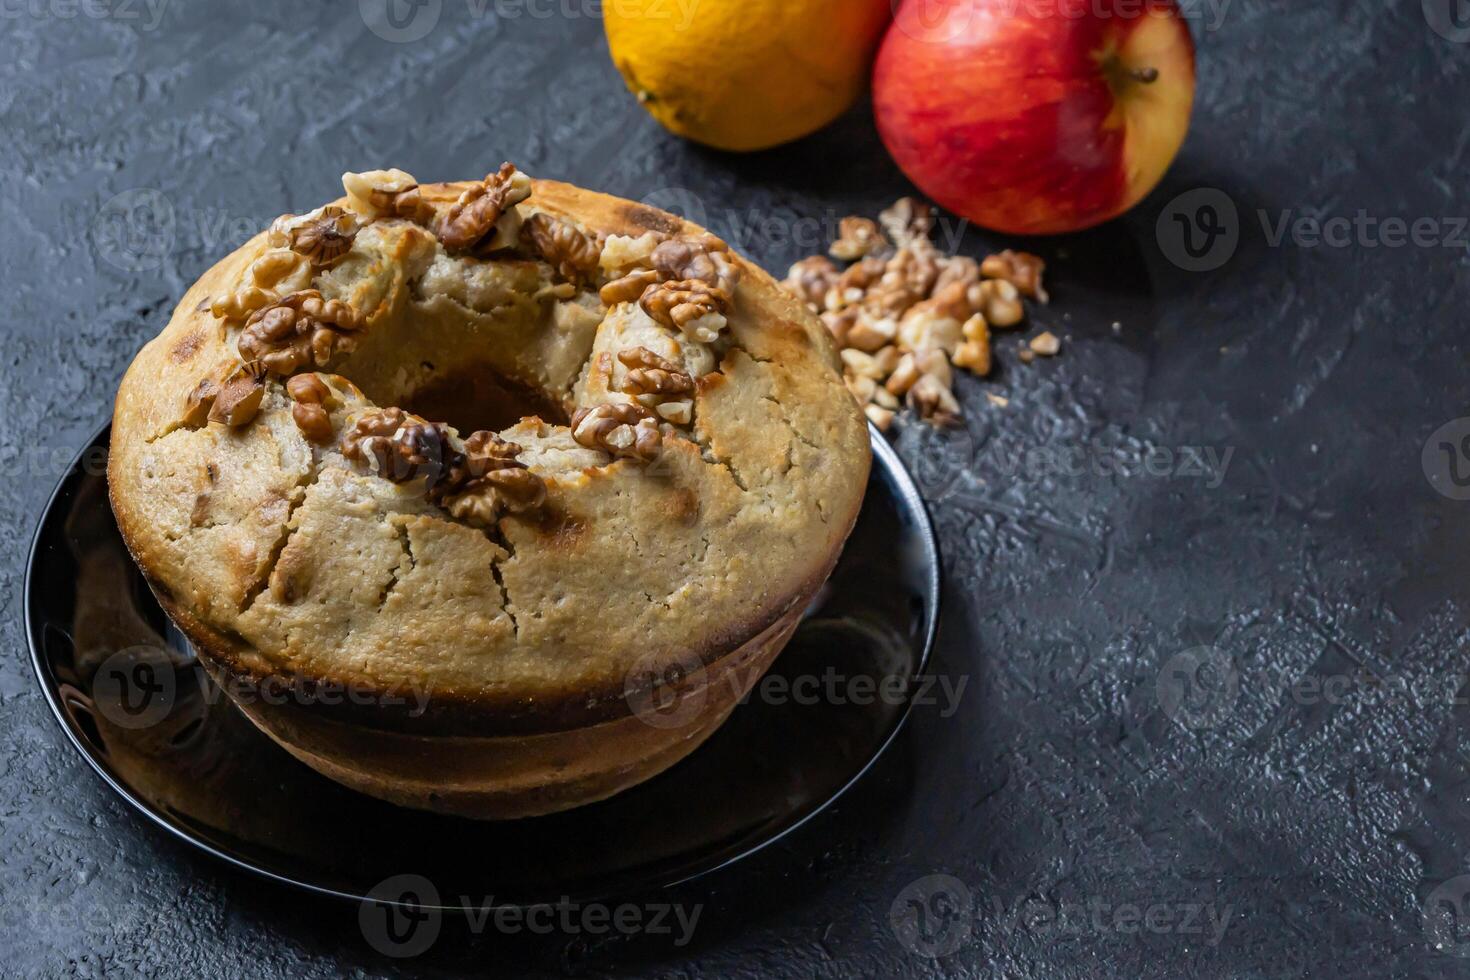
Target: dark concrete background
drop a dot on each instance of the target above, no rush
(1080, 808)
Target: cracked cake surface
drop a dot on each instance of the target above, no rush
(499, 440)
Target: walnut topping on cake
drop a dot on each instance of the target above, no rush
(401, 447)
(301, 330)
(628, 288)
(386, 194)
(238, 400)
(649, 374)
(689, 305)
(569, 250)
(275, 273)
(322, 238)
(311, 399)
(623, 430)
(513, 489)
(690, 288)
(472, 218)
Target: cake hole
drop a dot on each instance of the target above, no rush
(479, 397)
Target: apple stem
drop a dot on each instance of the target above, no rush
(1145, 75)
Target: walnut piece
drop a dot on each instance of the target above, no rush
(689, 305)
(515, 490)
(569, 250)
(1021, 269)
(472, 218)
(325, 238)
(704, 258)
(649, 374)
(857, 237)
(300, 330)
(628, 288)
(240, 396)
(623, 430)
(377, 194)
(401, 447)
(811, 278)
(312, 398)
(277, 271)
(199, 403)
(908, 221)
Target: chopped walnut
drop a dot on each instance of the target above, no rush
(957, 269)
(624, 430)
(569, 250)
(311, 398)
(1046, 344)
(811, 278)
(840, 325)
(902, 318)
(386, 194)
(879, 416)
(627, 289)
(240, 397)
(870, 334)
(1021, 269)
(649, 374)
(325, 238)
(933, 400)
(472, 218)
(908, 221)
(974, 353)
(907, 278)
(1000, 301)
(689, 305)
(300, 330)
(857, 237)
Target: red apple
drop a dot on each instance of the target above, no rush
(1035, 116)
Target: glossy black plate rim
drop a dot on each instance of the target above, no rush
(911, 504)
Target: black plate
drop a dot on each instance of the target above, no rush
(193, 764)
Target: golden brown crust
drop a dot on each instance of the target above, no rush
(278, 560)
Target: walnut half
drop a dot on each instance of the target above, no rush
(649, 374)
(472, 218)
(569, 250)
(623, 430)
(302, 329)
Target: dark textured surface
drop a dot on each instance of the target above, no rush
(1314, 826)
